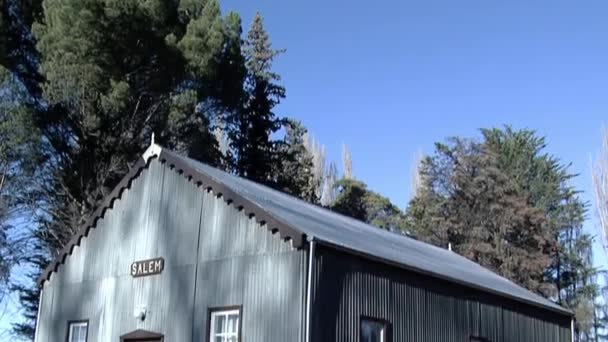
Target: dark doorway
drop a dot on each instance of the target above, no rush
(142, 336)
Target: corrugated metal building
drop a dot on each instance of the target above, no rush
(181, 251)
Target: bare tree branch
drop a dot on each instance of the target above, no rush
(415, 177)
(347, 162)
(599, 176)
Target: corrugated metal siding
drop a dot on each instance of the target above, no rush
(46, 305)
(239, 262)
(419, 308)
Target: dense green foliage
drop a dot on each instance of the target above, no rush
(17, 46)
(356, 201)
(545, 181)
(295, 172)
(506, 204)
(477, 210)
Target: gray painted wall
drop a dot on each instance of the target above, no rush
(215, 255)
(419, 308)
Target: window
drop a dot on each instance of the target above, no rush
(77, 331)
(374, 330)
(225, 325)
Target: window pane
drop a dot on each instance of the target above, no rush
(224, 325)
(233, 323)
(219, 324)
(73, 333)
(78, 332)
(372, 331)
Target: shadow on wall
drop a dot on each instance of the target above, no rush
(419, 308)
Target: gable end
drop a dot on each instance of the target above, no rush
(199, 179)
(286, 231)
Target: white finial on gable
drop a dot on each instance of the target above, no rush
(152, 151)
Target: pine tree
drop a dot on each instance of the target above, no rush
(295, 173)
(17, 46)
(232, 70)
(29, 292)
(115, 74)
(251, 129)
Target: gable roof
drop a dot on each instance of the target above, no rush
(297, 220)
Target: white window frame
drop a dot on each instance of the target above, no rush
(219, 312)
(77, 324)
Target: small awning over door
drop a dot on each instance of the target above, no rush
(141, 336)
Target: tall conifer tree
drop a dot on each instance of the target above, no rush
(295, 172)
(251, 130)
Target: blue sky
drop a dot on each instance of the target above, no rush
(390, 78)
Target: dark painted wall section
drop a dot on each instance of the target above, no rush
(420, 308)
